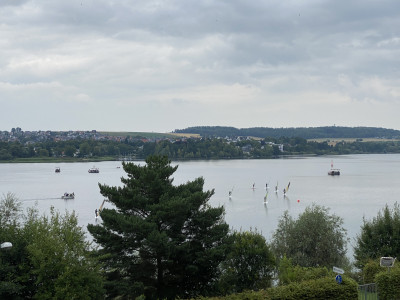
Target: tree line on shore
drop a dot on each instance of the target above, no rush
(164, 241)
(303, 132)
(191, 148)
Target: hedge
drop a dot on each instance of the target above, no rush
(323, 288)
(388, 284)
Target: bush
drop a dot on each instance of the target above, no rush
(323, 288)
(371, 268)
(388, 284)
(287, 273)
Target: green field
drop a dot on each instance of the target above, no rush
(149, 134)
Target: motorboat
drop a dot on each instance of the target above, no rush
(94, 170)
(68, 196)
(334, 172)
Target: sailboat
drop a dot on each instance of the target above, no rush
(285, 190)
(97, 212)
(266, 197)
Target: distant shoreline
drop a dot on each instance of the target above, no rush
(57, 160)
(100, 159)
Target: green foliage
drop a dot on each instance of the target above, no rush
(10, 210)
(370, 270)
(84, 149)
(69, 151)
(379, 236)
(49, 259)
(288, 273)
(303, 132)
(160, 240)
(315, 239)
(388, 284)
(59, 258)
(322, 288)
(249, 265)
(195, 149)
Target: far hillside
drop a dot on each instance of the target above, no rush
(303, 132)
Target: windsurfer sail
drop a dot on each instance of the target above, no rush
(97, 212)
(287, 188)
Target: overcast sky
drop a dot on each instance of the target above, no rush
(144, 65)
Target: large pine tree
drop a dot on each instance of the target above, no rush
(159, 239)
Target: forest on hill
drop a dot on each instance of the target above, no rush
(303, 132)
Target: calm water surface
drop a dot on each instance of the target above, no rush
(366, 184)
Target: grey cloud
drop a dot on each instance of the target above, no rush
(137, 52)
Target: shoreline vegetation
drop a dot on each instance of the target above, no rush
(196, 143)
(187, 149)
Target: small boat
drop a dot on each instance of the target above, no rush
(94, 170)
(333, 171)
(57, 170)
(68, 196)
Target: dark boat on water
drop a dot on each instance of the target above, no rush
(68, 196)
(94, 170)
(333, 171)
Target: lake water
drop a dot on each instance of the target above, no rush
(366, 184)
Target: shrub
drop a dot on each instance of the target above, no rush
(323, 288)
(388, 284)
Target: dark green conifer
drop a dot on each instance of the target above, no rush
(158, 239)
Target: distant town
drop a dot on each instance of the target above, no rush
(32, 137)
(195, 143)
(18, 135)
